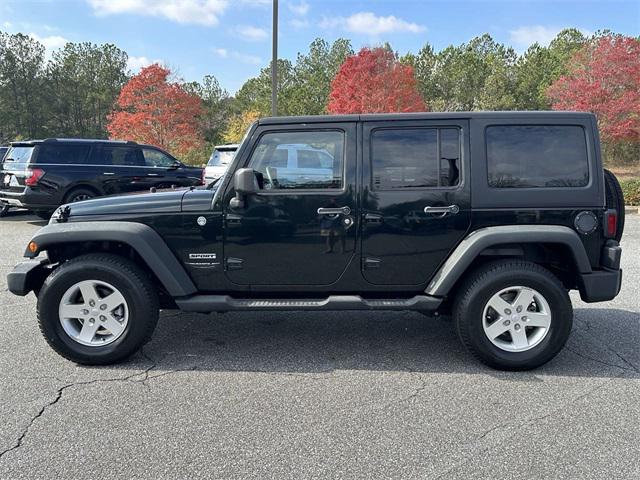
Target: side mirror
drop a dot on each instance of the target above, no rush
(244, 183)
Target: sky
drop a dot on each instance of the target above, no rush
(231, 39)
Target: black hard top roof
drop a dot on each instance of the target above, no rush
(419, 116)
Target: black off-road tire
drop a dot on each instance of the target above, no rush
(4, 209)
(615, 199)
(128, 278)
(482, 284)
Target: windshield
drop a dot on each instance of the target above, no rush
(221, 157)
(18, 155)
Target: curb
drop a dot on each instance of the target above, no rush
(631, 210)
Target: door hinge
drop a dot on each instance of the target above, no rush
(233, 263)
(370, 262)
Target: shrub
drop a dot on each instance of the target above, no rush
(631, 190)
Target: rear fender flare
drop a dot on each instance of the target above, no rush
(473, 244)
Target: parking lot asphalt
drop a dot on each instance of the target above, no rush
(326, 395)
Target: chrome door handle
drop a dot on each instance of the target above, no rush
(334, 211)
(153, 174)
(108, 173)
(452, 209)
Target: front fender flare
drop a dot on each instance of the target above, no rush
(467, 251)
(143, 239)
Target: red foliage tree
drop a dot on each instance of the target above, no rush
(150, 109)
(604, 78)
(374, 81)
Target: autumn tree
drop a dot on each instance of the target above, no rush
(374, 81)
(604, 78)
(238, 125)
(151, 109)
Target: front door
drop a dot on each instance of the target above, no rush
(416, 198)
(298, 228)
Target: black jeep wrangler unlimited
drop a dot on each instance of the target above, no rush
(493, 217)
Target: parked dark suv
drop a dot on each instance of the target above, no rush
(492, 217)
(42, 174)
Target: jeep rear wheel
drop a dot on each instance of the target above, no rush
(97, 309)
(513, 315)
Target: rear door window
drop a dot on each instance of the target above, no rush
(415, 158)
(537, 156)
(60, 154)
(120, 156)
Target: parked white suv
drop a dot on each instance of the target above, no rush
(219, 162)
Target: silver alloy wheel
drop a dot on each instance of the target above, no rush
(516, 319)
(93, 313)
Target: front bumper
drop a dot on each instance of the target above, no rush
(28, 276)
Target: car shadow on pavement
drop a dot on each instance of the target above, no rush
(603, 344)
(26, 215)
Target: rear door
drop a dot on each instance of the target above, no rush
(120, 168)
(299, 228)
(416, 198)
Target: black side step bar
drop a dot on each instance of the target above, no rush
(225, 303)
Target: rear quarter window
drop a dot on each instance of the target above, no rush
(537, 156)
(18, 154)
(62, 154)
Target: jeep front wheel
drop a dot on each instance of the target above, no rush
(513, 315)
(97, 309)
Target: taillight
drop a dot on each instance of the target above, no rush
(33, 176)
(610, 223)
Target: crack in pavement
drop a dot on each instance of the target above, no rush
(58, 397)
(527, 422)
(146, 377)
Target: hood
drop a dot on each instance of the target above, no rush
(158, 202)
(168, 201)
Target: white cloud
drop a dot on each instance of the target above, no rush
(7, 25)
(529, 34)
(51, 42)
(301, 8)
(136, 63)
(370, 23)
(202, 12)
(221, 52)
(254, 34)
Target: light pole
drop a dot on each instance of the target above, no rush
(274, 62)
